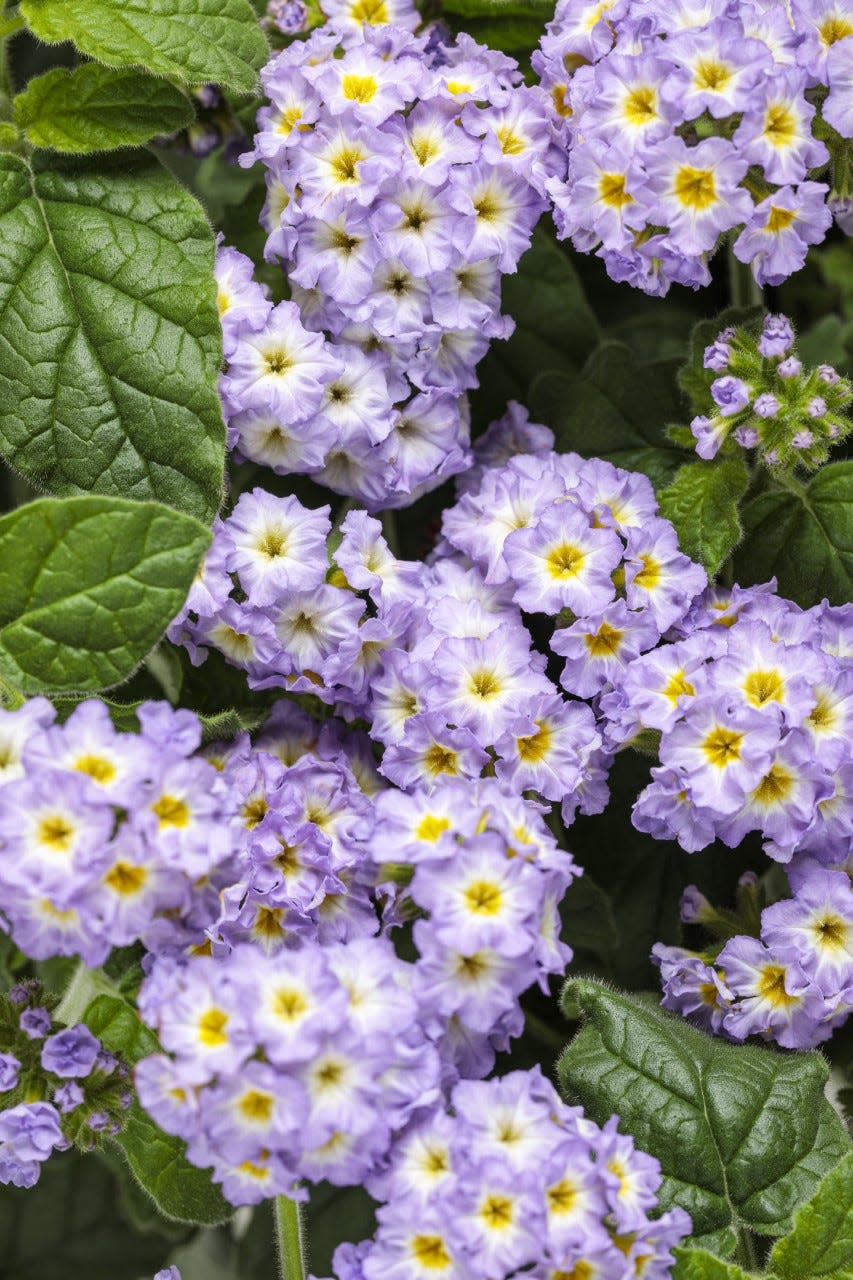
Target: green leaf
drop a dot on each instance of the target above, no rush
(615, 409)
(702, 503)
(699, 1264)
(586, 913)
(196, 41)
(88, 586)
(110, 346)
(555, 328)
(180, 1191)
(542, 9)
(803, 535)
(821, 1242)
(743, 1133)
(70, 1225)
(94, 108)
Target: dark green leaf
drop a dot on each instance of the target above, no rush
(555, 328)
(542, 9)
(586, 913)
(821, 1242)
(699, 1264)
(88, 586)
(515, 35)
(702, 503)
(803, 535)
(70, 1225)
(615, 409)
(109, 335)
(180, 1191)
(94, 108)
(743, 1134)
(196, 41)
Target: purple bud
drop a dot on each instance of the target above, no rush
(816, 407)
(68, 1096)
(777, 338)
(290, 16)
(98, 1121)
(731, 394)
(717, 355)
(71, 1053)
(207, 96)
(790, 368)
(694, 907)
(20, 993)
(771, 457)
(803, 440)
(748, 880)
(766, 405)
(9, 1068)
(105, 1061)
(747, 437)
(36, 1023)
(827, 374)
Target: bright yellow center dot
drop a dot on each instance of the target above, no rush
(329, 1074)
(487, 206)
(64, 917)
(257, 1106)
(424, 148)
(430, 828)
(431, 1253)
(558, 99)
(511, 143)
(496, 1212)
(834, 28)
(483, 898)
(484, 684)
(211, 1028)
(722, 746)
(289, 118)
(605, 642)
(707, 993)
(359, 88)
(223, 302)
(649, 575)
(277, 361)
(582, 1270)
(436, 1161)
(611, 189)
(96, 767)
(459, 86)
(565, 561)
(289, 1004)
(712, 75)
(562, 1197)
(125, 878)
(762, 687)
(440, 759)
(56, 832)
(774, 786)
(694, 188)
(343, 164)
(273, 544)
(676, 685)
(831, 932)
(822, 716)
(780, 125)
(373, 12)
(254, 811)
(171, 811)
(771, 987)
(779, 219)
(641, 106)
(257, 1171)
(535, 747)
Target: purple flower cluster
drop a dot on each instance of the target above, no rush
(101, 831)
(753, 705)
(508, 1181)
(682, 122)
(793, 983)
(405, 178)
(58, 1087)
(763, 399)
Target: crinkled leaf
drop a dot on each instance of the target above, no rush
(555, 328)
(702, 503)
(821, 1242)
(110, 345)
(70, 1225)
(94, 108)
(804, 536)
(699, 1264)
(615, 409)
(743, 1134)
(88, 586)
(158, 1161)
(196, 41)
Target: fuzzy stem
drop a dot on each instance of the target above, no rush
(744, 290)
(289, 1238)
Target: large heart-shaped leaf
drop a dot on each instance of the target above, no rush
(821, 1243)
(702, 503)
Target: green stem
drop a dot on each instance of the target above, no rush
(744, 290)
(289, 1238)
(745, 1254)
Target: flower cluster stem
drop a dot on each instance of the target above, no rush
(289, 1237)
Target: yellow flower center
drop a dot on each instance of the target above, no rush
(484, 684)
(712, 75)
(771, 987)
(96, 767)
(440, 759)
(496, 1212)
(257, 1106)
(56, 832)
(565, 561)
(483, 898)
(779, 219)
(605, 642)
(430, 1252)
(373, 12)
(762, 687)
(289, 1004)
(535, 747)
(125, 878)
(649, 576)
(171, 811)
(611, 189)
(774, 786)
(211, 1027)
(780, 125)
(430, 828)
(359, 88)
(641, 105)
(722, 746)
(695, 188)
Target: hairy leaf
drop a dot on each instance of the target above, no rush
(743, 1134)
(699, 1264)
(615, 409)
(702, 503)
(180, 1191)
(110, 345)
(821, 1242)
(94, 108)
(196, 41)
(803, 535)
(88, 586)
